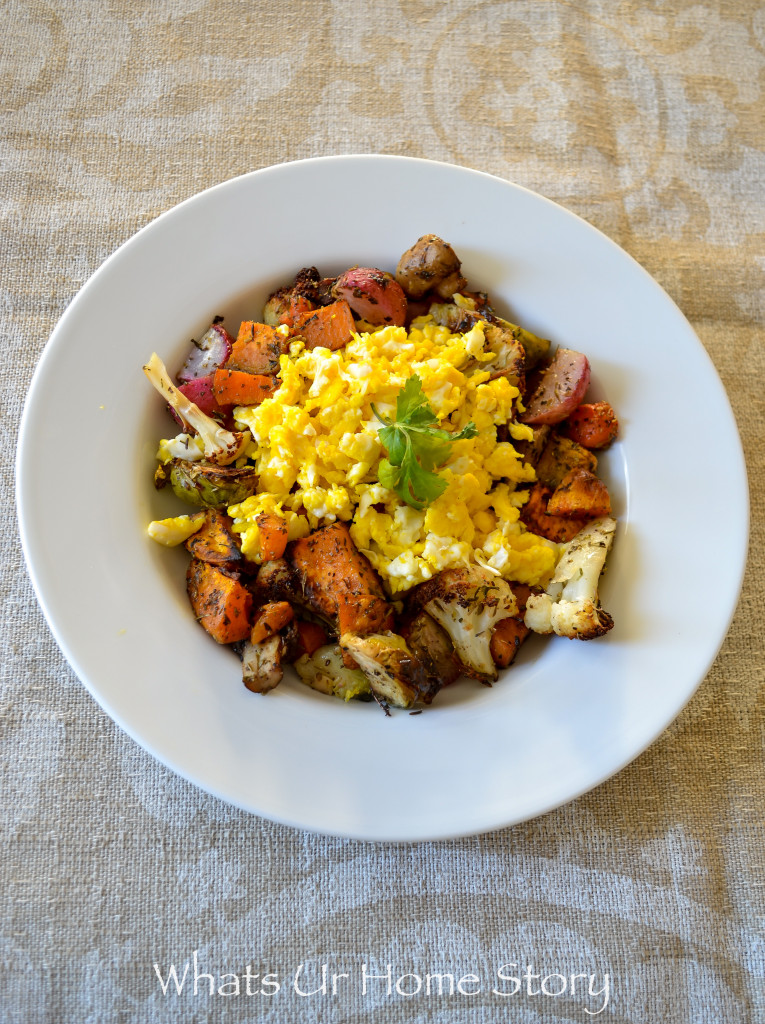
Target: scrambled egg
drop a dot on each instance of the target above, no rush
(316, 447)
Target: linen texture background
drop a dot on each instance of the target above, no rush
(647, 119)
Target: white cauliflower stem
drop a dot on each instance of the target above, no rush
(569, 607)
(221, 446)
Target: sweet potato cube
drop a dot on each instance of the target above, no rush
(580, 495)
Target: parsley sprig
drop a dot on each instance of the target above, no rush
(415, 447)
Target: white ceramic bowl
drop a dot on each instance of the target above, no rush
(568, 714)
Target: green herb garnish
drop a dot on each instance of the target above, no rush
(415, 447)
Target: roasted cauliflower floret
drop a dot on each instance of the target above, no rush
(469, 602)
(221, 446)
(569, 606)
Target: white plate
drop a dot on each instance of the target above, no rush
(569, 714)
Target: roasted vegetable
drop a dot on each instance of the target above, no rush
(206, 355)
(373, 295)
(593, 425)
(235, 387)
(570, 606)
(214, 542)
(311, 636)
(262, 664)
(559, 457)
(580, 495)
(257, 349)
(516, 349)
(509, 634)
(324, 670)
(337, 582)
(222, 605)
(432, 647)
(326, 327)
(270, 619)
(430, 265)
(394, 675)
(221, 446)
(560, 390)
(537, 519)
(199, 483)
(272, 536)
(468, 602)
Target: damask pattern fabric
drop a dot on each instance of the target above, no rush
(648, 120)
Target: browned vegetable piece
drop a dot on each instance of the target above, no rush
(257, 349)
(430, 265)
(373, 295)
(338, 583)
(510, 633)
(561, 388)
(269, 619)
(214, 543)
(580, 495)
(432, 647)
(394, 675)
(536, 518)
(593, 425)
(222, 605)
(327, 327)
(262, 664)
(559, 457)
(531, 451)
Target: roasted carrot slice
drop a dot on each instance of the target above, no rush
(221, 604)
(580, 495)
(328, 326)
(214, 542)
(593, 425)
(269, 619)
(311, 637)
(272, 531)
(257, 349)
(235, 387)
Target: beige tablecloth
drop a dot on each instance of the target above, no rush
(647, 119)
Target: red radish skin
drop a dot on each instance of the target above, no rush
(200, 392)
(207, 355)
(561, 389)
(373, 295)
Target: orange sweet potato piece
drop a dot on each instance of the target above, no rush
(311, 637)
(235, 387)
(222, 605)
(510, 633)
(328, 326)
(297, 305)
(273, 536)
(580, 495)
(269, 619)
(214, 543)
(339, 583)
(593, 425)
(257, 349)
(536, 518)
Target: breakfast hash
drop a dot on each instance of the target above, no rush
(393, 485)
